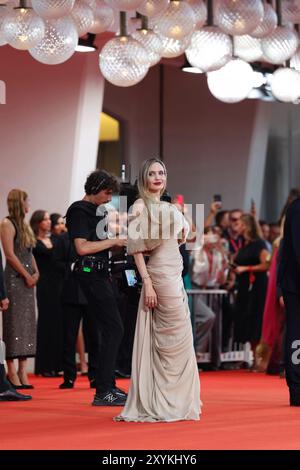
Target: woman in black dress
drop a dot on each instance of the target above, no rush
(49, 329)
(252, 280)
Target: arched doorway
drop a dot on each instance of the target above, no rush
(111, 144)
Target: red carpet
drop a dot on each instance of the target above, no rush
(241, 410)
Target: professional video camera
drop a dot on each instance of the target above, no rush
(122, 265)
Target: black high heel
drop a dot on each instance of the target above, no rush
(25, 386)
(15, 387)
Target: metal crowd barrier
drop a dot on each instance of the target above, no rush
(215, 355)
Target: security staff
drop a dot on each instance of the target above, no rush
(87, 232)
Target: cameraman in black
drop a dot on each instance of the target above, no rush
(84, 222)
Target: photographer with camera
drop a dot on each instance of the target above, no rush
(92, 245)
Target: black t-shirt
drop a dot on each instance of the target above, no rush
(249, 255)
(86, 220)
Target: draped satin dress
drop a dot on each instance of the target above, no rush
(165, 383)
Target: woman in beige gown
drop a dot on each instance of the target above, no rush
(165, 382)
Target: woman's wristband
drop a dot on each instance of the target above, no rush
(146, 277)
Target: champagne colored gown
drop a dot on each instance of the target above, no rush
(165, 382)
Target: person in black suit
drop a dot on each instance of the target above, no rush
(7, 392)
(289, 282)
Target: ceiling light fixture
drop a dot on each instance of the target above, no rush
(86, 44)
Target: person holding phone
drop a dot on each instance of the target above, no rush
(215, 207)
(165, 382)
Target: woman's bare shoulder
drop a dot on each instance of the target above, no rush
(6, 223)
(7, 228)
(138, 206)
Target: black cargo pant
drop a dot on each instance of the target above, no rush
(72, 316)
(292, 342)
(101, 295)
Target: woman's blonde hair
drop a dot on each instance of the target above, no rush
(144, 192)
(15, 204)
(253, 230)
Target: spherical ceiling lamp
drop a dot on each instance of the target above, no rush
(123, 61)
(238, 17)
(173, 47)
(51, 9)
(247, 48)
(177, 21)
(152, 8)
(22, 28)
(200, 11)
(104, 17)
(3, 13)
(83, 17)
(152, 44)
(285, 85)
(295, 60)
(291, 10)
(124, 5)
(91, 3)
(232, 83)
(268, 23)
(280, 45)
(209, 49)
(59, 43)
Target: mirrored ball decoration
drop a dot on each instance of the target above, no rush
(151, 42)
(124, 5)
(59, 42)
(177, 21)
(51, 9)
(285, 85)
(123, 61)
(83, 17)
(280, 45)
(291, 10)
(268, 23)
(104, 17)
(174, 47)
(3, 13)
(209, 49)
(152, 8)
(23, 28)
(232, 83)
(200, 10)
(248, 48)
(238, 17)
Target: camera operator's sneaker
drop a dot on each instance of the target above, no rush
(109, 398)
(118, 391)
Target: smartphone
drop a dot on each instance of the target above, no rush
(218, 198)
(131, 277)
(180, 199)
